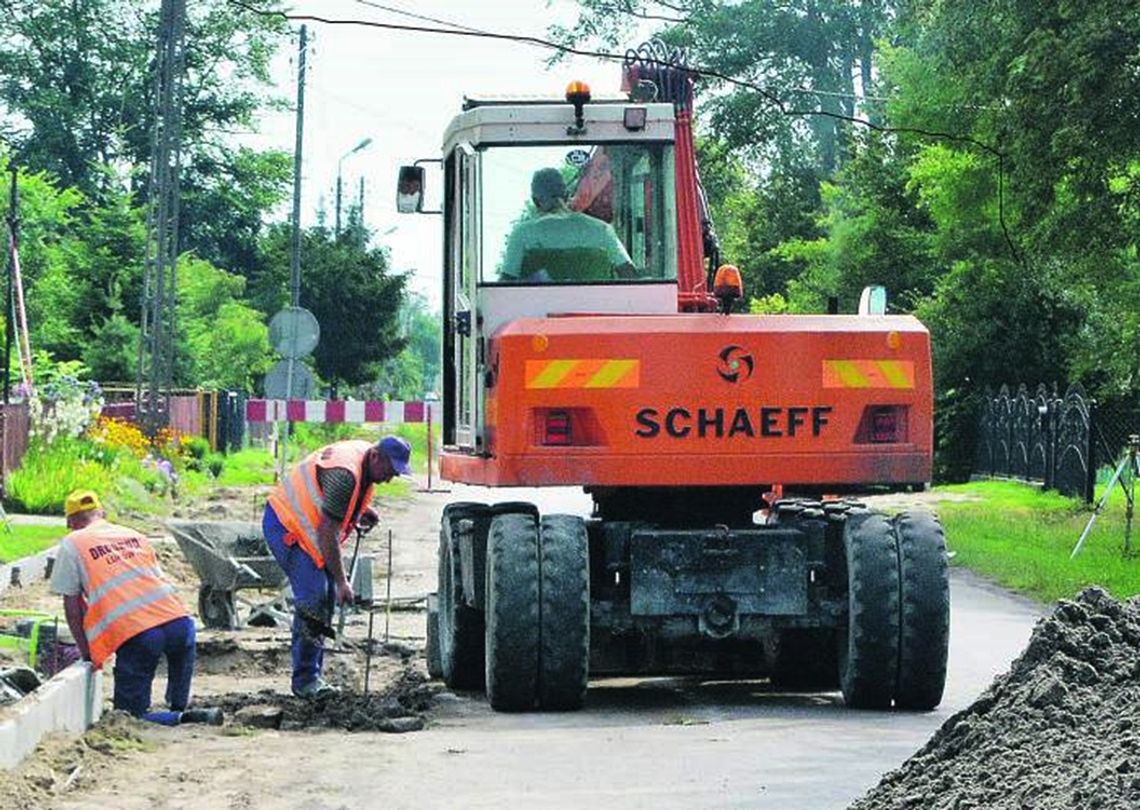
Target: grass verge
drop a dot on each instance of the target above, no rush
(1022, 538)
(23, 540)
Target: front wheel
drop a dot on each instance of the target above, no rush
(460, 627)
(564, 655)
(869, 642)
(512, 616)
(924, 636)
(216, 608)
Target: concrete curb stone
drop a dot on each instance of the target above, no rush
(70, 702)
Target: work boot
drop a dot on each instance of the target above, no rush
(315, 689)
(211, 717)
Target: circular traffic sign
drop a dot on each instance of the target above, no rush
(277, 382)
(294, 332)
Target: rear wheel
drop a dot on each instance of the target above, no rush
(564, 654)
(924, 635)
(869, 643)
(460, 626)
(512, 637)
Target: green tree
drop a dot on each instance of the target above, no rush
(351, 291)
(415, 370)
(76, 91)
(225, 342)
(112, 353)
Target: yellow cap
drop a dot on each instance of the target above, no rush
(82, 500)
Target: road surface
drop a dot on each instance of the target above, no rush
(639, 743)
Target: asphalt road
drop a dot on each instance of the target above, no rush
(639, 743)
(665, 743)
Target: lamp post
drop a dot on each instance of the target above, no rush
(362, 145)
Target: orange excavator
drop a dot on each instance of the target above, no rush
(571, 359)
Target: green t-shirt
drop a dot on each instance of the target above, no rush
(563, 246)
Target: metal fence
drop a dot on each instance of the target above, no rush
(1116, 420)
(1041, 436)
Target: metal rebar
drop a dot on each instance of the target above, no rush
(388, 592)
(368, 652)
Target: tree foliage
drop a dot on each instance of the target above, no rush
(349, 288)
(996, 197)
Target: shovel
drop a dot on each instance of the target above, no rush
(352, 579)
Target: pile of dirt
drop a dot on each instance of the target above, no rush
(1061, 729)
(221, 652)
(60, 765)
(400, 705)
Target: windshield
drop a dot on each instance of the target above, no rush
(578, 214)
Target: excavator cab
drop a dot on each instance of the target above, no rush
(539, 222)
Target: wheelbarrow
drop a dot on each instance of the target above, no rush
(229, 557)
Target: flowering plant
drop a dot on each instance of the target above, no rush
(63, 405)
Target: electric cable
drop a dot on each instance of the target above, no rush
(772, 98)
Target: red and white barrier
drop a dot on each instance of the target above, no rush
(319, 410)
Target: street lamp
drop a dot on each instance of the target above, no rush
(362, 145)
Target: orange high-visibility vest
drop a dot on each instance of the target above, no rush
(297, 499)
(122, 585)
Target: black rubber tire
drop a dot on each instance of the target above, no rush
(806, 661)
(564, 634)
(431, 643)
(216, 608)
(868, 645)
(512, 638)
(924, 632)
(460, 627)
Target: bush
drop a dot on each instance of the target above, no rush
(215, 463)
(49, 473)
(196, 447)
(310, 437)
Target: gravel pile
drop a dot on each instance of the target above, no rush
(1060, 730)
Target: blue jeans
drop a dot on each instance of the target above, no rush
(135, 664)
(313, 596)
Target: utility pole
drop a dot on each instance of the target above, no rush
(158, 339)
(9, 327)
(10, 315)
(295, 262)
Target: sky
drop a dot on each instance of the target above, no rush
(401, 89)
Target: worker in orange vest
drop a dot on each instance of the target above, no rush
(307, 520)
(118, 603)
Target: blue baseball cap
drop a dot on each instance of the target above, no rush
(398, 451)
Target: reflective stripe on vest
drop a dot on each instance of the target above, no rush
(297, 499)
(122, 586)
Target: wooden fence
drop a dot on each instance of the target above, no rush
(15, 434)
(191, 414)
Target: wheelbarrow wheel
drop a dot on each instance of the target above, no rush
(216, 608)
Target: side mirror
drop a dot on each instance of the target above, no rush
(410, 190)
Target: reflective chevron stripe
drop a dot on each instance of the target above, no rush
(594, 373)
(868, 374)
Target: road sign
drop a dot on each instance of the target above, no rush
(277, 386)
(294, 332)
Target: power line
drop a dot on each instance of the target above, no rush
(525, 39)
(776, 101)
(412, 15)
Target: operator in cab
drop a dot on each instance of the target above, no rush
(560, 244)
